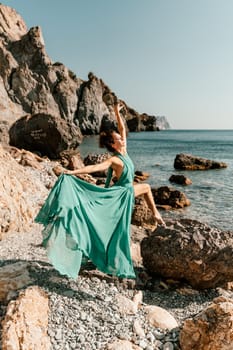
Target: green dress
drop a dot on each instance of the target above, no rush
(84, 220)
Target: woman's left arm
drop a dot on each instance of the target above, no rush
(120, 123)
(90, 168)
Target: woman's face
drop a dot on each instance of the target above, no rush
(118, 142)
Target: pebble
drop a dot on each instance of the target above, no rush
(83, 314)
(168, 346)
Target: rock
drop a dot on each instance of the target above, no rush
(92, 159)
(26, 322)
(142, 215)
(180, 179)
(126, 306)
(31, 85)
(20, 195)
(4, 132)
(71, 159)
(190, 250)
(91, 106)
(138, 330)
(44, 134)
(25, 158)
(210, 329)
(12, 278)
(153, 123)
(122, 345)
(10, 111)
(137, 235)
(11, 23)
(136, 256)
(48, 98)
(140, 176)
(138, 298)
(160, 318)
(144, 122)
(170, 198)
(190, 162)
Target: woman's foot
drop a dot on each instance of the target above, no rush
(159, 219)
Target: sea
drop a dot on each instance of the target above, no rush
(211, 191)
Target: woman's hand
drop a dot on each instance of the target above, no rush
(58, 170)
(118, 107)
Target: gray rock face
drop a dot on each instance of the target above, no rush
(11, 24)
(91, 107)
(192, 251)
(31, 84)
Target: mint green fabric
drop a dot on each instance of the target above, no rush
(82, 219)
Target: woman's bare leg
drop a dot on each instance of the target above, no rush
(145, 190)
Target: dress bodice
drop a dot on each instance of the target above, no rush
(127, 175)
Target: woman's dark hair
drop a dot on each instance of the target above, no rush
(106, 140)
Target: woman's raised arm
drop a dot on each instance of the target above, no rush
(120, 122)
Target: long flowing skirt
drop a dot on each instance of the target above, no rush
(82, 219)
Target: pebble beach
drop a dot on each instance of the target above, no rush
(84, 313)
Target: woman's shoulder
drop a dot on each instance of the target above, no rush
(117, 159)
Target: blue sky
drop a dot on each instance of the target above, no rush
(162, 57)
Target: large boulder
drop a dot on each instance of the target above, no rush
(192, 251)
(190, 162)
(44, 133)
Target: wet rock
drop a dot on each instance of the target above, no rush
(190, 162)
(180, 179)
(140, 176)
(170, 198)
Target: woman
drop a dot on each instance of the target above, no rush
(83, 219)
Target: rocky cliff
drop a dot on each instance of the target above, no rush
(44, 107)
